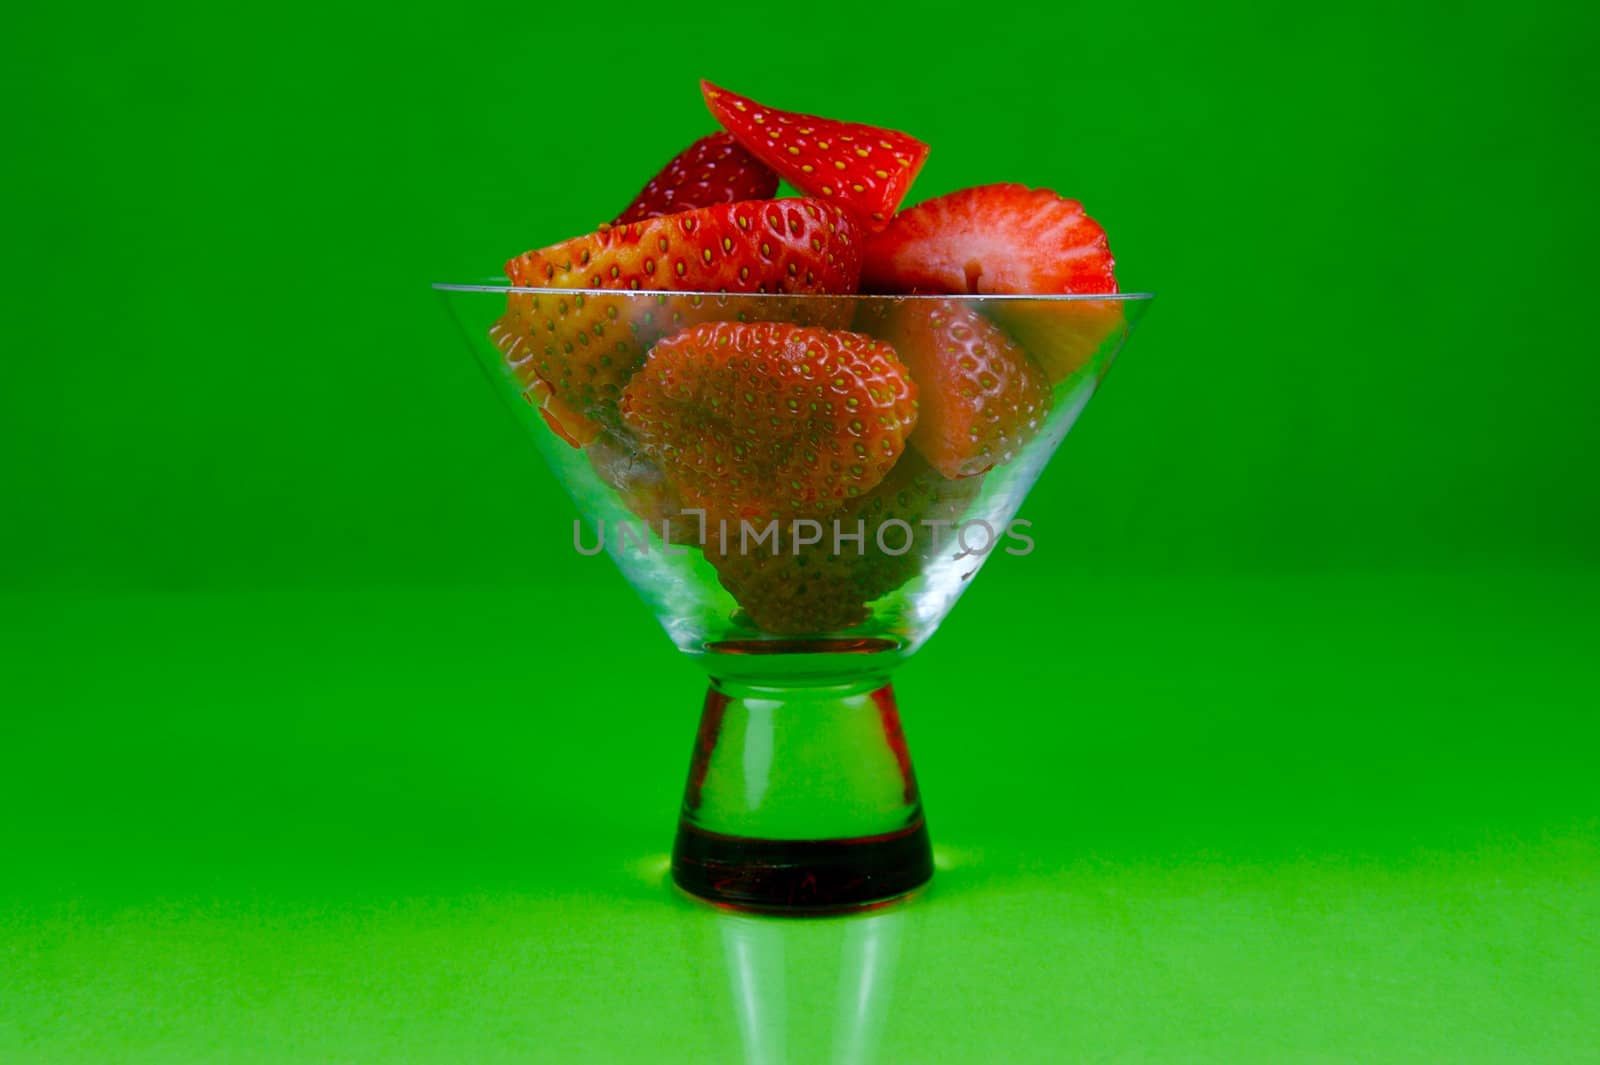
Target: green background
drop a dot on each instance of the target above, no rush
(318, 744)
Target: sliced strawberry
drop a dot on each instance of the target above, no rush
(556, 415)
(511, 333)
(792, 587)
(915, 494)
(1012, 240)
(1064, 336)
(712, 170)
(791, 594)
(769, 420)
(980, 397)
(991, 239)
(584, 346)
(867, 169)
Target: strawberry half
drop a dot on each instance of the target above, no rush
(991, 239)
(552, 410)
(811, 588)
(1012, 240)
(980, 397)
(1064, 336)
(579, 349)
(865, 168)
(714, 169)
(770, 420)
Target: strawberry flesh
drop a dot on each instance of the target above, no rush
(714, 169)
(1008, 239)
(991, 239)
(865, 168)
(1065, 336)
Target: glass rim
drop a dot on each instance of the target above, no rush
(504, 287)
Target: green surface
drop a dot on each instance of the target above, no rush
(317, 744)
(370, 827)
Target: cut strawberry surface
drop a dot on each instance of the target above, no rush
(864, 168)
(714, 169)
(763, 420)
(813, 588)
(584, 346)
(1063, 336)
(980, 397)
(1007, 240)
(991, 239)
(555, 413)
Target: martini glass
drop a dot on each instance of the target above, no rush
(801, 796)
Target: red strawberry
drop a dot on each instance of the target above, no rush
(864, 168)
(980, 397)
(793, 588)
(583, 347)
(714, 169)
(770, 420)
(1007, 239)
(991, 239)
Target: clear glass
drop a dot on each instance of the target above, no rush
(801, 795)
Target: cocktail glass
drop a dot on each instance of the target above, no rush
(801, 796)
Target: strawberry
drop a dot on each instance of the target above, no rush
(583, 347)
(555, 413)
(1012, 240)
(991, 239)
(913, 493)
(864, 168)
(980, 397)
(793, 588)
(768, 420)
(1063, 336)
(714, 169)
(789, 594)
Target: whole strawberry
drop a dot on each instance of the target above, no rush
(766, 420)
(584, 346)
(980, 397)
(712, 170)
(864, 168)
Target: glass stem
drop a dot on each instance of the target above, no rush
(801, 798)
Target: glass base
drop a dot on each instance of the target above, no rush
(801, 875)
(801, 800)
